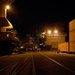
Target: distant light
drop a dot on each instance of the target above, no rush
(8, 35)
(7, 7)
(21, 47)
(55, 31)
(43, 32)
(49, 32)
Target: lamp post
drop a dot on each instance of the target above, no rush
(3, 3)
(6, 8)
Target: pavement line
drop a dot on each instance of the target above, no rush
(59, 64)
(5, 68)
(33, 67)
(17, 69)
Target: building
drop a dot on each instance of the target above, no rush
(72, 36)
(6, 28)
(8, 39)
(52, 40)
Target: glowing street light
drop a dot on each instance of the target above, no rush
(49, 32)
(55, 31)
(6, 8)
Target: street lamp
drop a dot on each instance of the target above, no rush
(49, 32)
(55, 31)
(6, 8)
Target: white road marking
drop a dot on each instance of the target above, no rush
(59, 64)
(33, 67)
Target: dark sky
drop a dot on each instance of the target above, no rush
(27, 16)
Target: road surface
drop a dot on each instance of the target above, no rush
(38, 63)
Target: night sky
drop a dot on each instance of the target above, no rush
(29, 16)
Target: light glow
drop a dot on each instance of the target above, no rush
(55, 31)
(49, 32)
(7, 7)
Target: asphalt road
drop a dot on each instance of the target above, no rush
(38, 63)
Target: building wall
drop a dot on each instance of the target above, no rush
(55, 39)
(63, 47)
(72, 46)
(2, 10)
(6, 35)
(72, 36)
